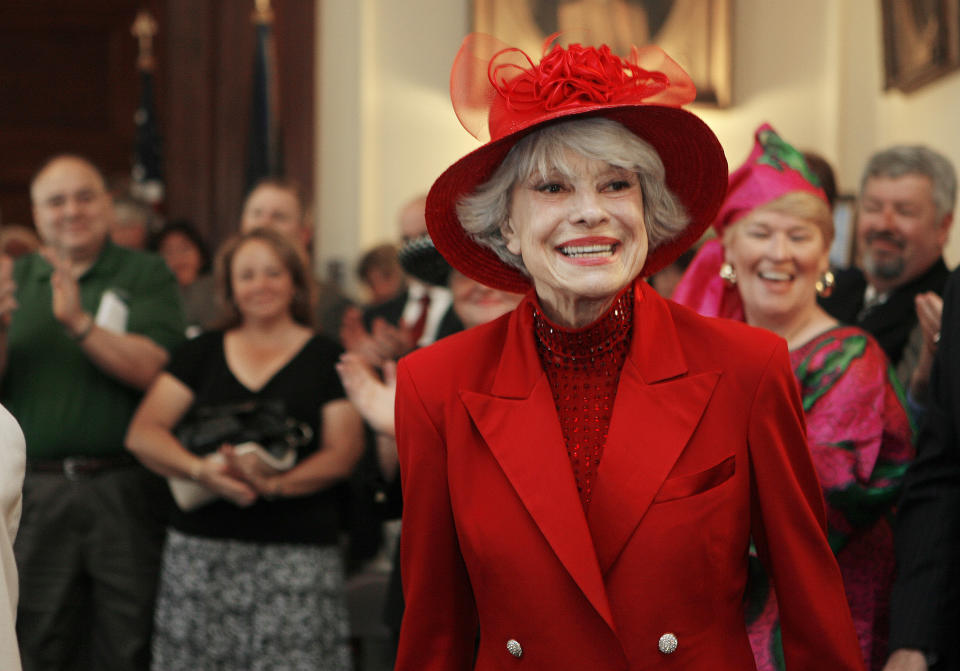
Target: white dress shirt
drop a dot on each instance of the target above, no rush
(440, 301)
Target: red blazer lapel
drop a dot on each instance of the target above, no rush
(519, 423)
(654, 415)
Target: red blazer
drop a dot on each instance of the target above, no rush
(705, 451)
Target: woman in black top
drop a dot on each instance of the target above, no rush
(253, 580)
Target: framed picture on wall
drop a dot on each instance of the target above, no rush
(921, 41)
(695, 33)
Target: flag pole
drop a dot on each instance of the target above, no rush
(264, 146)
(147, 172)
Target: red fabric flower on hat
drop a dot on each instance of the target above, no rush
(511, 92)
(572, 77)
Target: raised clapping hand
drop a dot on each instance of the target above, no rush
(67, 307)
(393, 341)
(372, 398)
(356, 339)
(382, 343)
(929, 312)
(906, 660)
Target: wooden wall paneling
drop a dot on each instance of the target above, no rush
(69, 84)
(234, 61)
(188, 104)
(210, 45)
(295, 53)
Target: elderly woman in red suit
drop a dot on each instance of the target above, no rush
(582, 478)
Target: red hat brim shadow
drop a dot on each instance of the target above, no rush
(696, 173)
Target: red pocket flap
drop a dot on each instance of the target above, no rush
(695, 483)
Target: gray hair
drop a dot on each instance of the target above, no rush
(483, 212)
(917, 160)
(131, 211)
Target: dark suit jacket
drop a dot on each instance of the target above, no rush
(926, 597)
(890, 323)
(705, 451)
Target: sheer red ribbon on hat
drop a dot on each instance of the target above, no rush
(497, 89)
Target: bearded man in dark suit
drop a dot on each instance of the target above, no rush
(904, 213)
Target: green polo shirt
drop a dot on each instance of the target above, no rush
(66, 405)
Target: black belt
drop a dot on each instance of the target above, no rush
(76, 468)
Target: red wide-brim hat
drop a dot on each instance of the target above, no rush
(498, 88)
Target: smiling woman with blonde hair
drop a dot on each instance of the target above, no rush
(776, 229)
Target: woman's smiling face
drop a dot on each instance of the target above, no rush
(778, 259)
(262, 285)
(580, 233)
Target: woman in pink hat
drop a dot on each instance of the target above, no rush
(776, 228)
(582, 477)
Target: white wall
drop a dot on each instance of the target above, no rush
(783, 73)
(419, 133)
(341, 67)
(872, 118)
(386, 126)
(812, 68)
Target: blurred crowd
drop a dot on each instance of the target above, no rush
(159, 529)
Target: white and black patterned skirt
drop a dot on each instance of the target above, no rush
(226, 604)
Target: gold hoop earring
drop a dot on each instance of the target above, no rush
(825, 284)
(728, 274)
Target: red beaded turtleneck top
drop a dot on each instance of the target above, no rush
(583, 367)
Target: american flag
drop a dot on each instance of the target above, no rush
(264, 151)
(147, 170)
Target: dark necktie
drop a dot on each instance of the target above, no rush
(417, 329)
